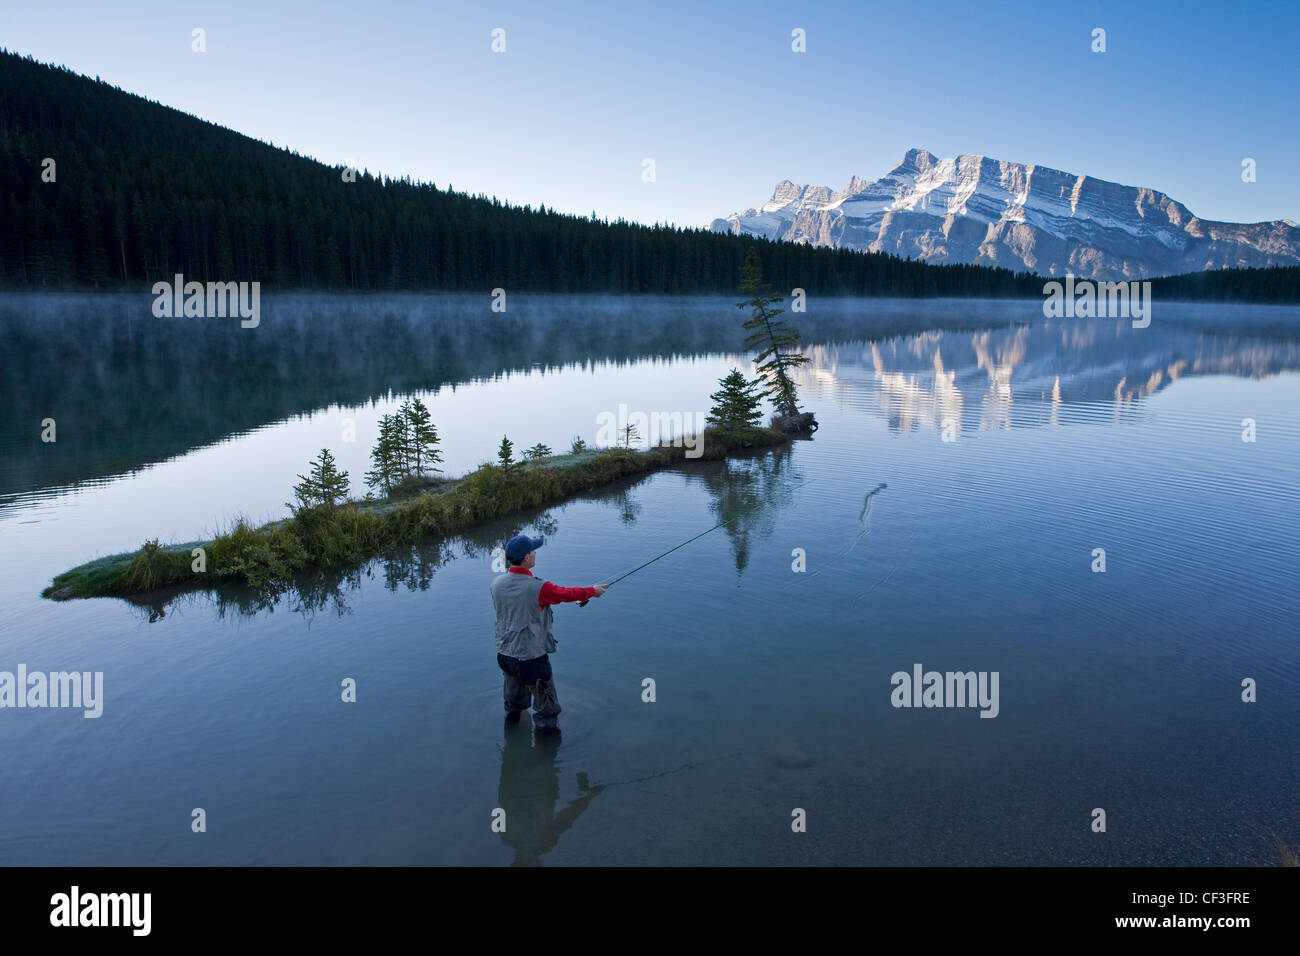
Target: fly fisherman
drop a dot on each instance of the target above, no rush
(524, 637)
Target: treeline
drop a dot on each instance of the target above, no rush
(142, 192)
(1280, 284)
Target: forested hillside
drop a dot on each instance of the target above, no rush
(141, 192)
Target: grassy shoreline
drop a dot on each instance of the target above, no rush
(357, 531)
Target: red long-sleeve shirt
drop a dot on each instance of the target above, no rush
(554, 594)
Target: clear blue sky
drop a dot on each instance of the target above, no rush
(712, 92)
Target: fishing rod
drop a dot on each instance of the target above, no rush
(722, 524)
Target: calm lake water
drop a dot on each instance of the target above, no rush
(1119, 690)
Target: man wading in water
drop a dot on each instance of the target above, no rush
(524, 637)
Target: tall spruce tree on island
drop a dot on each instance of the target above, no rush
(422, 439)
(772, 339)
(388, 456)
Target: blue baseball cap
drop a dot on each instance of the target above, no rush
(518, 547)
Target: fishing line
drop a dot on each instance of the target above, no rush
(864, 519)
(885, 579)
(722, 524)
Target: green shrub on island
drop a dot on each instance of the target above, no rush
(538, 452)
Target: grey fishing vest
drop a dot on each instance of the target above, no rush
(523, 627)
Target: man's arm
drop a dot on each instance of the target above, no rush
(554, 594)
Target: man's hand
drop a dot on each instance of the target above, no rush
(599, 589)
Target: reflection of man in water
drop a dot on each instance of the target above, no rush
(530, 785)
(524, 637)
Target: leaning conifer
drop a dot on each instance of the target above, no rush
(772, 339)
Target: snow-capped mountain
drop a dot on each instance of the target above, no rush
(973, 209)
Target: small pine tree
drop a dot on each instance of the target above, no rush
(324, 485)
(773, 340)
(422, 438)
(578, 446)
(630, 434)
(538, 452)
(388, 456)
(506, 453)
(736, 403)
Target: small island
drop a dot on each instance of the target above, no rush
(328, 533)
